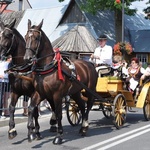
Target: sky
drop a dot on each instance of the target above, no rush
(46, 3)
(36, 4)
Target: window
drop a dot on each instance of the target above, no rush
(20, 5)
(143, 58)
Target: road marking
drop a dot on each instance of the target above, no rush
(123, 140)
(116, 137)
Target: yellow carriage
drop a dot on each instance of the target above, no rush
(117, 101)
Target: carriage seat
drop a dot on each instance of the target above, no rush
(103, 70)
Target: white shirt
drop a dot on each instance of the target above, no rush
(3, 67)
(147, 72)
(105, 55)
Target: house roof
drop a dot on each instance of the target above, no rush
(9, 16)
(51, 18)
(78, 39)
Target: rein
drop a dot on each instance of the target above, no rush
(12, 41)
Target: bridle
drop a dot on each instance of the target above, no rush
(28, 47)
(12, 40)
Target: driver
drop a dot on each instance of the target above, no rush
(102, 54)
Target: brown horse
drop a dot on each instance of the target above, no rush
(53, 79)
(12, 43)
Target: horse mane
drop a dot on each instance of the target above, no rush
(16, 32)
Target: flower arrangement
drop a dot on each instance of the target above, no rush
(122, 48)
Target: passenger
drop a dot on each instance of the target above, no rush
(102, 54)
(147, 72)
(134, 74)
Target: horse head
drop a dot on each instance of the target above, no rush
(7, 38)
(37, 43)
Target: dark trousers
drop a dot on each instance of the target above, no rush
(4, 87)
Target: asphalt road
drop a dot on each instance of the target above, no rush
(102, 134)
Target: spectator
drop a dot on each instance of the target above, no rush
(4, 87)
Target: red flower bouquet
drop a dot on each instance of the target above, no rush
(122, 48)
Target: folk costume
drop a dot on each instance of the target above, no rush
(134, 76)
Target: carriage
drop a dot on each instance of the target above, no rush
(117, 101)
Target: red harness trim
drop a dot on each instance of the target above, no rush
(58, 58)
(43, 72)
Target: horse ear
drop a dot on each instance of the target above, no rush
(12, 24)
(29, 24)
(40, 25)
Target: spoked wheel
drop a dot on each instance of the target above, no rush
(107, 111)
(146, 107)
(119, 111)
(73, 112)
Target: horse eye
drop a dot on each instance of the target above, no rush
(8, 35)
(37, 38)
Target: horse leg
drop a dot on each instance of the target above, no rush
(53, 120)
(58, 112)
(30, 124)
(37, 126)
(53, 123)
(81, 105)
(85, 123)
(34, 103)
(12, 133)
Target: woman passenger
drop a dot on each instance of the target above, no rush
(134, 73)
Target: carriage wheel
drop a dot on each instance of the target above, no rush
(107, 111)
(73, 112)
(119, 110)
(146, 107)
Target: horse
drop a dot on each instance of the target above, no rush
(12, 43)
(53, 80)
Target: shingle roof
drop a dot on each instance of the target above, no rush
(78, 39)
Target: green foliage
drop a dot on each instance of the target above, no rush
(92, 6)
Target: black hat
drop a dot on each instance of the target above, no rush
(102, 37)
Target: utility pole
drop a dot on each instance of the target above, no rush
(122, 21)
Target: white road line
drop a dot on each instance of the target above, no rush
(123, 140)
(115, 138)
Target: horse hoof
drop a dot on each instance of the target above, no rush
(12, 134)
(53, 129)
(57, 141)
(30, 138)
(83, 131)
(38, 137)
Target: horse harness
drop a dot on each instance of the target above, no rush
(12, 41)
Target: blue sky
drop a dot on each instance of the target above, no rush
(46, 3)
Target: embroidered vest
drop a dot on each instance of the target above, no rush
(136, 75)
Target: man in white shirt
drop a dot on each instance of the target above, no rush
(102, 54)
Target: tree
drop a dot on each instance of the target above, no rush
(147, 10)
(92, 6)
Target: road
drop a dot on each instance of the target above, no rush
(102, 134)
